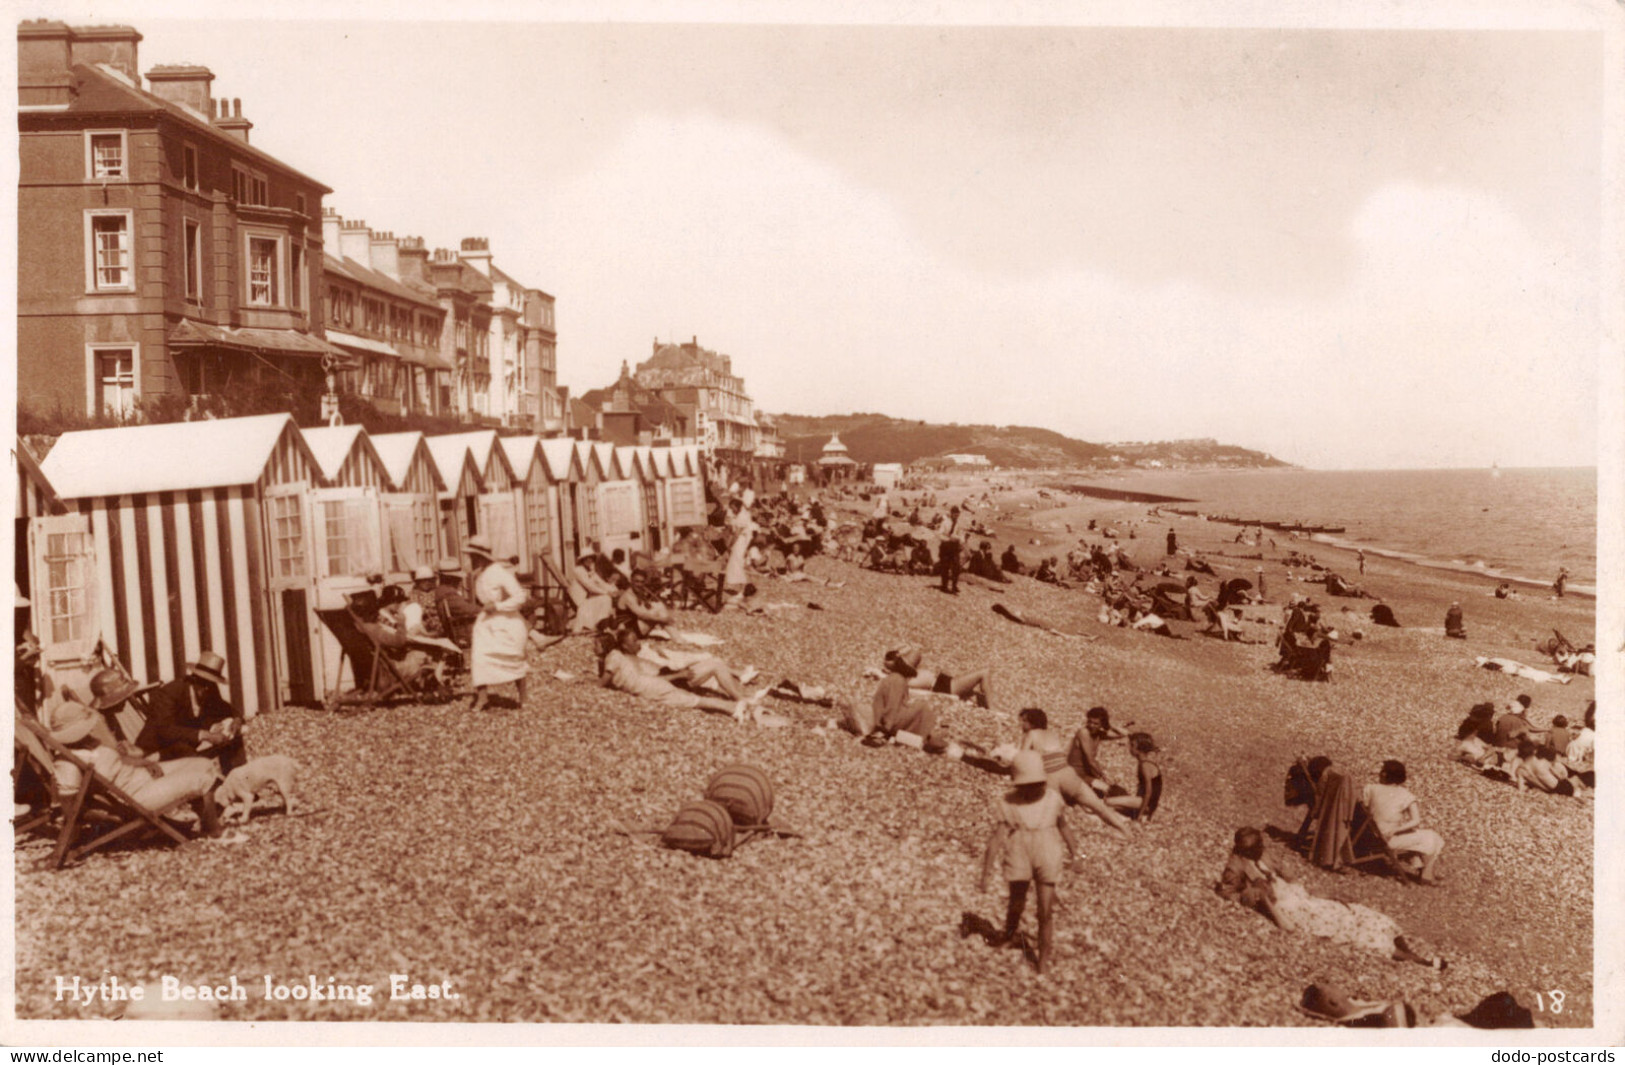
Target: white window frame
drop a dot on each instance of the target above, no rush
(279, 280)
(363, 546)
(124, 155)
(193, 181)
(93, 374)
(91, 274)
(76, 603)
(192, 259)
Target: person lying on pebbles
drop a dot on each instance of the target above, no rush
(972, 686)
(1254, 882)
(624, 668)
(1037, 736)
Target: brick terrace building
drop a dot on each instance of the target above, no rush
(161, 257)
(629, 413)
(390, 321)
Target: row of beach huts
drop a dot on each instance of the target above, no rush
(159, 542)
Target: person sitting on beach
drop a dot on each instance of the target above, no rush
(892, 711)
(1475, 738)
(1256, 883)
(1009, 562)
(1083, 755)
(985, 566)
(1504, 591)
(1513, 725)
(426, 617)
(1047, 572)
(1305, 648)
(974, 686)
(1558, 737)
(1398, 817)
(1580, 758)
(1036, 735)
(1148, 789)
(1453, 626)
(622, 667)
(636, 602)
(593, 596)
(1537, 767)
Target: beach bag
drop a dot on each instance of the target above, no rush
(701, 828)
(744, 791)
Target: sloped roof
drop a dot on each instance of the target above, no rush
(449, 454)
(605, 454)
(30, 470)
(177, 457)
(481, 445)
(395, 450)
(560, 453)
(362, 274)
(521, 452)
(331, 445)
(95, 90)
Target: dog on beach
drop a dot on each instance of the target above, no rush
(236, 794)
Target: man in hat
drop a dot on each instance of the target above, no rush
(450, 591)
(426, 618)
(153, 785)
(189, 717)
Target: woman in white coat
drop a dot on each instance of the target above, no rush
(743, 528)
(498, 654)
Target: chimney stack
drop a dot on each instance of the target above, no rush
(355, 242)
(330, 231)
(110, 46)
(44, 54)
(186, 85)
(233, 122)
(477, 252)
(413, 258)
(386, 255)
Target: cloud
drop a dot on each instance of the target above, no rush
(1457, 339)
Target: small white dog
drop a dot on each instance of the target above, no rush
(236, 794)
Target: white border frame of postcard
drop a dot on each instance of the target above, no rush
(1609, 928)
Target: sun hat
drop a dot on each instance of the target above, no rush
(907, 653)
(1027, 767)
(423, 573)
(481, 546)
(72, 721)
(109, 688)
(209, 666)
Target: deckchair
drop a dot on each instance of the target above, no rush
(33, 760)
(1339, 833)
(551, 594)
(375, 676)
(700, 584)
(98, 802)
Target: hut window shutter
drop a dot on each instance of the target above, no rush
(426, 527)
(404, 550)
(620, 515)
(349, 532)
(536, 520)
(65, 586)
(497, 519)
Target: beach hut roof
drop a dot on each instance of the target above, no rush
(482, 448)
(32, 479)
(560, 453)
(451, 454)
(605, 454)
(631, 462)
(396, 451)
(176, 457)
(587, 455)
(522, 453)
(331, 444)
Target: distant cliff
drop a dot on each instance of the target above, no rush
(879, 438)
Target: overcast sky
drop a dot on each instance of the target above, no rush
(1350, 248)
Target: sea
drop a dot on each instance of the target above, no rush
(1517, 525)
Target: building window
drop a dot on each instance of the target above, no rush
(189, 167)
(296, 276)
(262, 271)
(249, 188)
(347, 535)
(67, 577)
(112, 382)
(194, 260)
(287, 535)
(108, 258)
(106, 155)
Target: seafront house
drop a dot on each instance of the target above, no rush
(702, 385)
(164, 262)
(629, 413)
(523, 348)
(390, 320)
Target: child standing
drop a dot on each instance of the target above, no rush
(1029, 837)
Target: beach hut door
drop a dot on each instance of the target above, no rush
(62, 556)
(290, 570)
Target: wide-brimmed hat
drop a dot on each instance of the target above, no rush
(449, 566)
(71, 721)
(209, 666)
(424, 573)
(481, 546)
(908, 654)
(1027, 767)
(109, 688)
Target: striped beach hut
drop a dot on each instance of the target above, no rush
(685, 487)
(501, 513)
(620, 499)
(535, 491)
(589, 515)
(565, 471)
(197, 537)
(411, 501)
(461, 488)
(348, 506)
